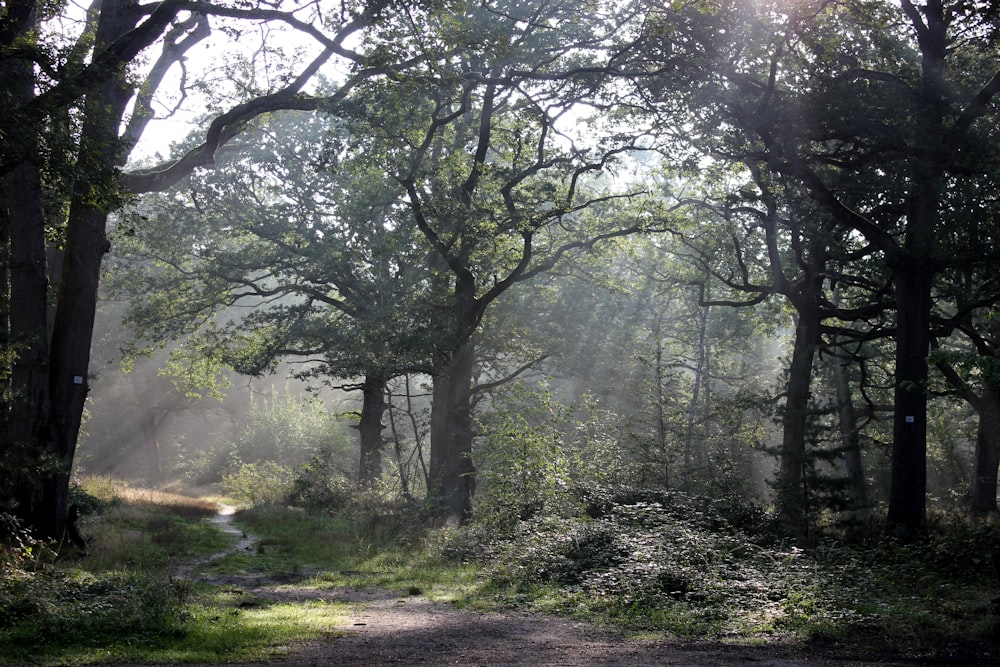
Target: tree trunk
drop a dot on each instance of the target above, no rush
(794, 421)
(86, 244)
(660, 377)
(907, 515)
(452, 473)
(370, 430)
(700, 381)
(984, 480)
(913, 271)
(26, 395)
(850, 441)
(151, 434)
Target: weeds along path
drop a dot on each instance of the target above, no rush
(393, 628)
(222, 521)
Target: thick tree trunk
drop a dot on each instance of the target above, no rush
(26, 396)
(370, 430)
(984, 481)
(86, 244)
(452, 473)
(913, 272)
(907, 515)
(792, 498)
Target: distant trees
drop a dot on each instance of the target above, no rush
(277, 254)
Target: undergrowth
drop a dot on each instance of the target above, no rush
(697, 569)
(651, 562)
(118, 602)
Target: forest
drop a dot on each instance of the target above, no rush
(583, 288)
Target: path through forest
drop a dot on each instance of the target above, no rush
(393, 628)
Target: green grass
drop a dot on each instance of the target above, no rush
(674, 570)
(214, 625)
(118, 603)
(334, 552)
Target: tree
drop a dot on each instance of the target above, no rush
(876, 113)
(494, 180)
(320, 270)
(64, 143)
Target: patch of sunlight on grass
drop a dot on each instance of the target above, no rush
(218, 632)
(111, 490)
(141, 536)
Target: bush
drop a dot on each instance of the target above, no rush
(18, 548)
(320, 486)
(257, 484)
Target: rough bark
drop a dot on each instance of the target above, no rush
(370, 428)
(452, 473)
(984, 481)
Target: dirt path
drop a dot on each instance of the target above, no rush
(391, 628)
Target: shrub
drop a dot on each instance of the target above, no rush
(320, 486)
(284, 429)
(257, 484)
(18, 548)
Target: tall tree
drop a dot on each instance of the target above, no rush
(876, 112)
(321, 270)
(494, 178)
(64, 143)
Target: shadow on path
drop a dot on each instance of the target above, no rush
(392, 628)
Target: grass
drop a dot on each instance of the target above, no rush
(680, 569)
(335, 552)
(119, 603)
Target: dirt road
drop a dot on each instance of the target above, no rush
(392, 628)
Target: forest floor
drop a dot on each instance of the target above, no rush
(396, 628)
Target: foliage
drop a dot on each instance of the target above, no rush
(257, 484)
(283, 430)
(321, 486)
(524, 468)
(694, 567)
(19, 550)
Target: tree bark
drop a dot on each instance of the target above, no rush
(795, 420)
(370, 430)
(26, 398)
(907, 514)
(984, 481)
(452, 473)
